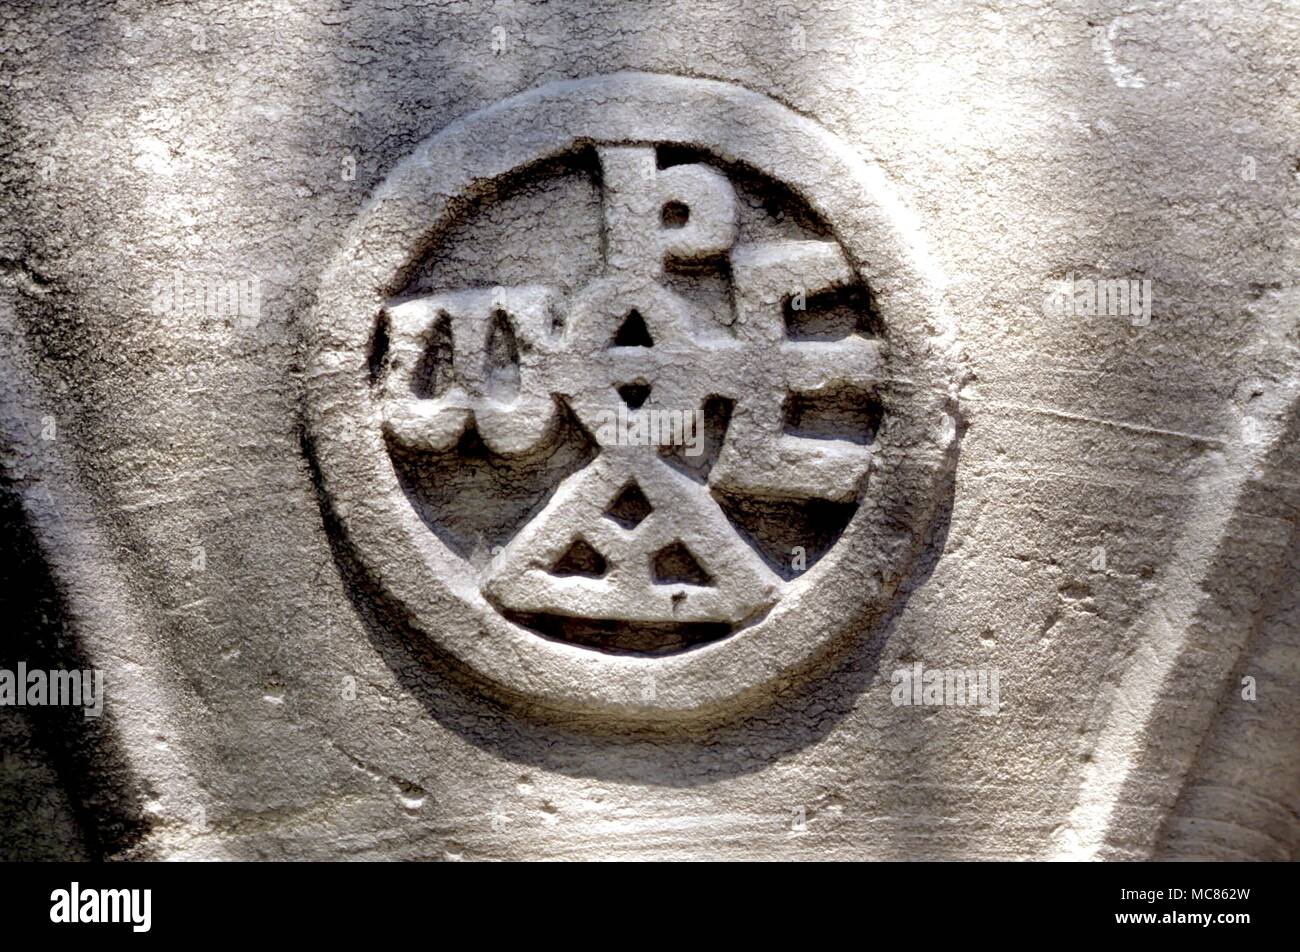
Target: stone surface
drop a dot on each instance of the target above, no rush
(314, 315)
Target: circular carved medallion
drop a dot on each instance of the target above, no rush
(681, 425)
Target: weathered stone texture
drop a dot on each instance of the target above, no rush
(1100, 508)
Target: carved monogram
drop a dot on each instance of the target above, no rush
(508, 360)
(600, 401)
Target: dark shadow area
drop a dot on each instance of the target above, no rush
(83, 753)
(582, 560)
(576, 171)
(675, 564)
(622, 637)
(833, 314)
(629, 507)
(474, 500)
(790, 536)
(755, 191)
(716, 417)
(844, 414)
(1238, 798)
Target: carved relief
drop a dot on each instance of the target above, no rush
(658, 474)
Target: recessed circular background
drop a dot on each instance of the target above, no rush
(437, 588)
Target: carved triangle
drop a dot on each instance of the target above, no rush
(674, 564)
(687, 567)
(632, 332)
(629, 507)
(580, 559)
